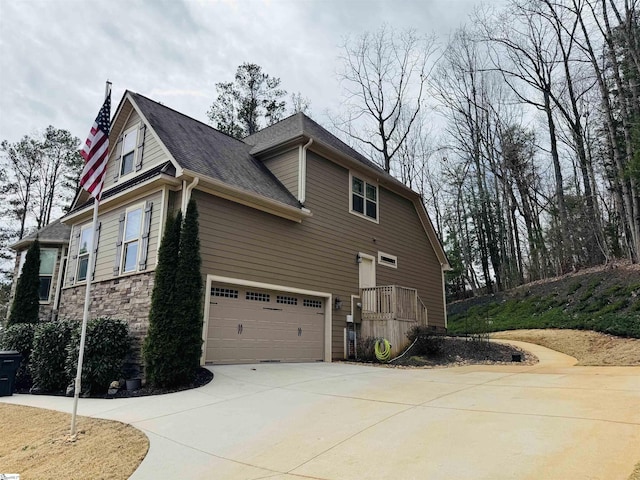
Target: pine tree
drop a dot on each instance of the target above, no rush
(188, 301)
(160, 345)
(26, 301)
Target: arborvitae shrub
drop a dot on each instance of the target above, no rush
(161, 346)
(49, 355)
(26, 301)
(106, 347)
(188, 299)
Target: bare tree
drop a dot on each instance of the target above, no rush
(22, 166)
(300, 103)
(526, 53)
(384, 75)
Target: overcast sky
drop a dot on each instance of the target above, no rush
(55, 55)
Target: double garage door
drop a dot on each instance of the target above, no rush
(248, 325)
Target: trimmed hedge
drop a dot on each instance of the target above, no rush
(106, 346)
(49, 355)
(19, 337)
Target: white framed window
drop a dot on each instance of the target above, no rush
(387, 260)
(128, 152)
(131, 239)
(363, 198)
(48, 258)
(86, 236)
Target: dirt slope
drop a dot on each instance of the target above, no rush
(590, 348)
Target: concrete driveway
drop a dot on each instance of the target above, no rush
(339, 421)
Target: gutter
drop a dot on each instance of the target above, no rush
(302, 171)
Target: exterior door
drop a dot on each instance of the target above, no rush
(367, 271)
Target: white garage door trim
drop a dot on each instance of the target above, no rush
(267, 286)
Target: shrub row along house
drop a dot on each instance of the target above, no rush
(305, 243)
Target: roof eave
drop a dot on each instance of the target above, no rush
(250, 199)
(137, 190)
(20, 244)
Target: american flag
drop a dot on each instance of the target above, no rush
(96, 151)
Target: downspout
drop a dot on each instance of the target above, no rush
(61, 269)
(186, 192)
(302, 172)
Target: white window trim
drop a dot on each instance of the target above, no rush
(77, 270)
(53, 274)
(366, 181)
(139, 206)
(381, 261)
(136, 129)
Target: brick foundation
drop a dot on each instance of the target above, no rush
(125, 298)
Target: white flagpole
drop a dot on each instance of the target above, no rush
(87, 301)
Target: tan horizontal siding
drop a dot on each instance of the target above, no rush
(285, 168)
(152, 154)
(320, 253)
(109, 236)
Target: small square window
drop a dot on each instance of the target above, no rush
(358, 186)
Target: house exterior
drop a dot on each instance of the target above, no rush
(54, 242)
(300, 237)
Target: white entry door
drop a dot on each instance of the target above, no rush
(367, 271)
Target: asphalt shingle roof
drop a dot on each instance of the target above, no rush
(300, 125)
(55, 232)
(202, 149)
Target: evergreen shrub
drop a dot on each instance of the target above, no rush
(49, 355)
(106, 347)
(26, 300)
(19, 337)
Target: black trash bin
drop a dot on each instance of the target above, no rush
(9, 364)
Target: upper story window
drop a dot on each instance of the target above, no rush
(129, 142)
(364, 198)
(86, 234)
(48, 257)
(131, 239)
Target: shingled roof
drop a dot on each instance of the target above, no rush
(300, 125)
(55, 232)
(207, 151)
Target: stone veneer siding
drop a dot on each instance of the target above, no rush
(126, 298)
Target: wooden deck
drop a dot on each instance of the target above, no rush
(389, 312)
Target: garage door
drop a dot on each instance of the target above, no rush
(248, 325)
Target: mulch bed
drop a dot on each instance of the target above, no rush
(203, 376)
(459, 351)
